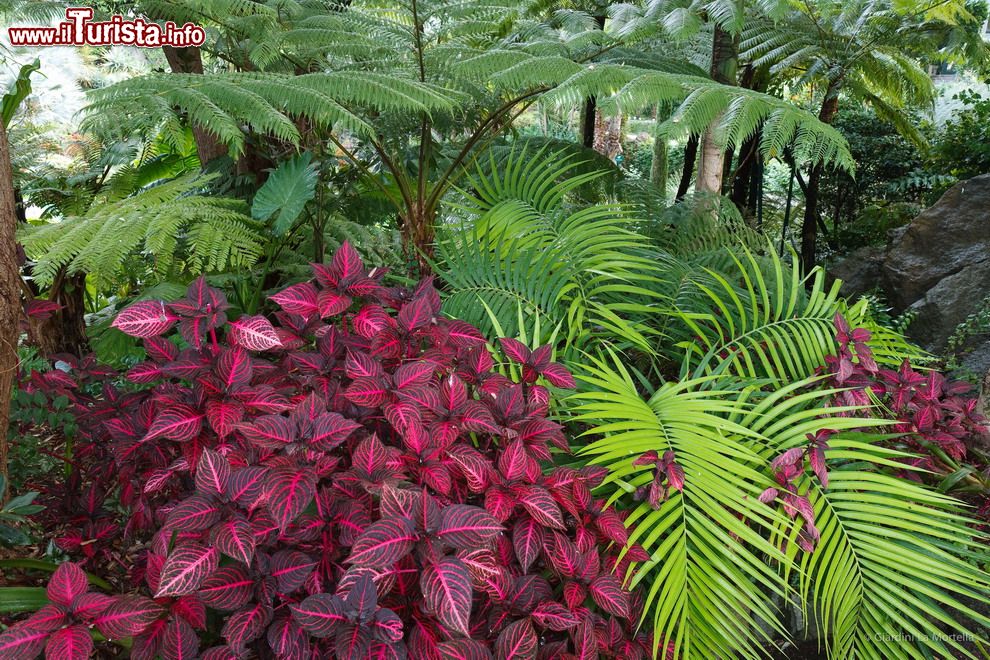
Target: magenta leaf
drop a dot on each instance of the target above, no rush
(180, 641)
(67, 582)
(467, 527)
(320, 614)
(212, 473)
(288, 492)
(128, 616)
(608, 594)
(518, 641)
(72, 643)
(245, 626)
(22, 642)
(179, 422)
(515, 350)
(146, 318)
(463, 649)
(228, 588)
(185, 569)
(235, 538)
(290, 569)
(298, 299)
(542, 507)
(288, 639)
(527, 541)
(447, 591)
(193, 514)
(383, 543)
(553, 615)
(255, 333)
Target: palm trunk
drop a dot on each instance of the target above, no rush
(724, 70)
(809, 229)
(10, 295)
(690, 156)
(590, 113)
(659, 170)
(65, 330)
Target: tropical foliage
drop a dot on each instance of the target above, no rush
(353, 333)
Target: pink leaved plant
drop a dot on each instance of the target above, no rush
(353, 480)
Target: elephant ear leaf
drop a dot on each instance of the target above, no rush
(285, 193)
(19, 90)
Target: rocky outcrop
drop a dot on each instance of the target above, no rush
(938, 267)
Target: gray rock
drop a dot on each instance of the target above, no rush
(938, 266)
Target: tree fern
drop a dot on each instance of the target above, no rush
(168, 223)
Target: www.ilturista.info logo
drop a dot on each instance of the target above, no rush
(79, 30)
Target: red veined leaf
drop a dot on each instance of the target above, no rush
(179, 422)
(212, 473)
(400, 502)
(331, 429)
(361, 600)
(144, 372)
(297, 299)
(52, 617)
(128, 616)
(574, 594)
(559, 376)
(160, 349)
(88, 606)
(358, 364)
(527, 541)
(36, 308)
(235, 538)
(517, 642)
(320, 614)
(269, 431)
(370, 455)
(370, 321)
(464, 334)
(145, 318)
(415, 314)
(22, 642)
(288, 492)
(192, 609)
(72, 643)
(475, 467)
(553, 615)
(789, 457)
(816, 457)
(290, 569)
(330, 303)
(346, 262)
(564, 555)
(228, 588)
(515, 350)
(387, 626)
(514, 460)
(607, 592)
(585, 641)
(185, 569)
(287, 639)
(193, 514)
(67, 582)
(219, 653)
(675, 476)
(453, 393)
(146, 645)
(245, 626)
(419, 372)
(542, 507)
(610, 524)
(353, 642)
(255, 333)
(475, 417)
(446, 588)
(223, 416)
(234, 367)
(481, 565)
(180, 641)
(367, 392)
(383, 543)
(246, 486)
(463, 649)
(466, 527)
(263, 399)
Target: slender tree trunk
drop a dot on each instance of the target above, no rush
(590, 113)
(10, 294)
(690, 156)
(809, 229)
(787, 211)
(724, 70)
(190, 60)
(659, 170)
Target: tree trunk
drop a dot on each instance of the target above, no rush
(190, 60)
(659, 170)
(723, 70)
(590, 113)
(690, 156)
(809, 229)
(417, 236)
(65, 330)
(10, 294)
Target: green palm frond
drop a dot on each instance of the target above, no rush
(169, 221)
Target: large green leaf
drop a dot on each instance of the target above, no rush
(286, 192)
(20, 88)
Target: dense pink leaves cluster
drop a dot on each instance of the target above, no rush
(354, 481)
